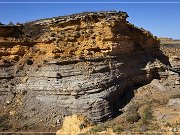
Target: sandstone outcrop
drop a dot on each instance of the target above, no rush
(77, 64)
(74, 125)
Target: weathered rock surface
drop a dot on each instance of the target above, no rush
(74, 125)
(175, 103)
(78, 64)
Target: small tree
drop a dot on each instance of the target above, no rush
(1, 23)
(18, 23)
(11, 23)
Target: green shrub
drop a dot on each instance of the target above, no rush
(147, 114)
(117, 129)
(133, 115)
(98, 128)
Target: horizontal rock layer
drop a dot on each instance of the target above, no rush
(75, 64)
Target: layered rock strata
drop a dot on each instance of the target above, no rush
(77, 64)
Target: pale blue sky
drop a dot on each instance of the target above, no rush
(162, 19)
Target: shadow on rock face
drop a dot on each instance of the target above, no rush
(128, 92)
(163, 58)
(125, 98)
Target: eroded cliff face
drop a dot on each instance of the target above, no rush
(78, 64)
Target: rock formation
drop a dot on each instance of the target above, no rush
(77, 64)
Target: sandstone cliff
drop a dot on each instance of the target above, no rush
(77, 64)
